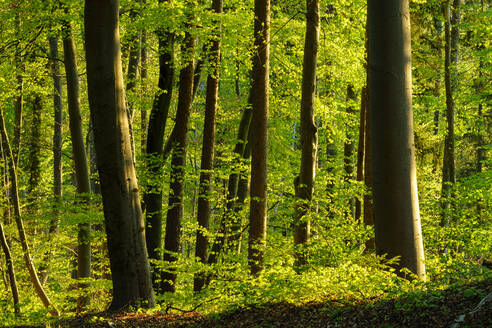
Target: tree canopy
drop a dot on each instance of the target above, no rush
(133, 132)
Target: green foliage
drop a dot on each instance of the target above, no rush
(339, 265)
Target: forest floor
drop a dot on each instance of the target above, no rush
(461, 306)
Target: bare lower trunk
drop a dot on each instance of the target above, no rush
(394, 180)
(123, 218)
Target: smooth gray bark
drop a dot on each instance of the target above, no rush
(130, 267)
(394, 176)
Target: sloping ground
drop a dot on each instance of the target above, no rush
(429, 309)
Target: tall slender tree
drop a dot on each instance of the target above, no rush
(394, 177)
(309, 130)
(123, 219)
(211, 101)
(57, 151)
(175, 212)
(154, 146)
(452, 37)
(259, 140)
(79, 154)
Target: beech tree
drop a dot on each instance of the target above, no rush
(204, 192)
(130, 268)
(309, 130)
(155, 143)
(301, 84)
(452, 37)
(57, 151)
(79, 155)
(172, 239)
(259, 150)
(393, 171)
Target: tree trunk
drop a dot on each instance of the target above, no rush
(176, 187)
(38, 288)
(123, 218)
(451, 34)
(57, 153)
(79, 155)
(207, 159)
(394, 180)
(154, 148)
(259, 142)
(309, 132)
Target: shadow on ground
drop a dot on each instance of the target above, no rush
(419, 309)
